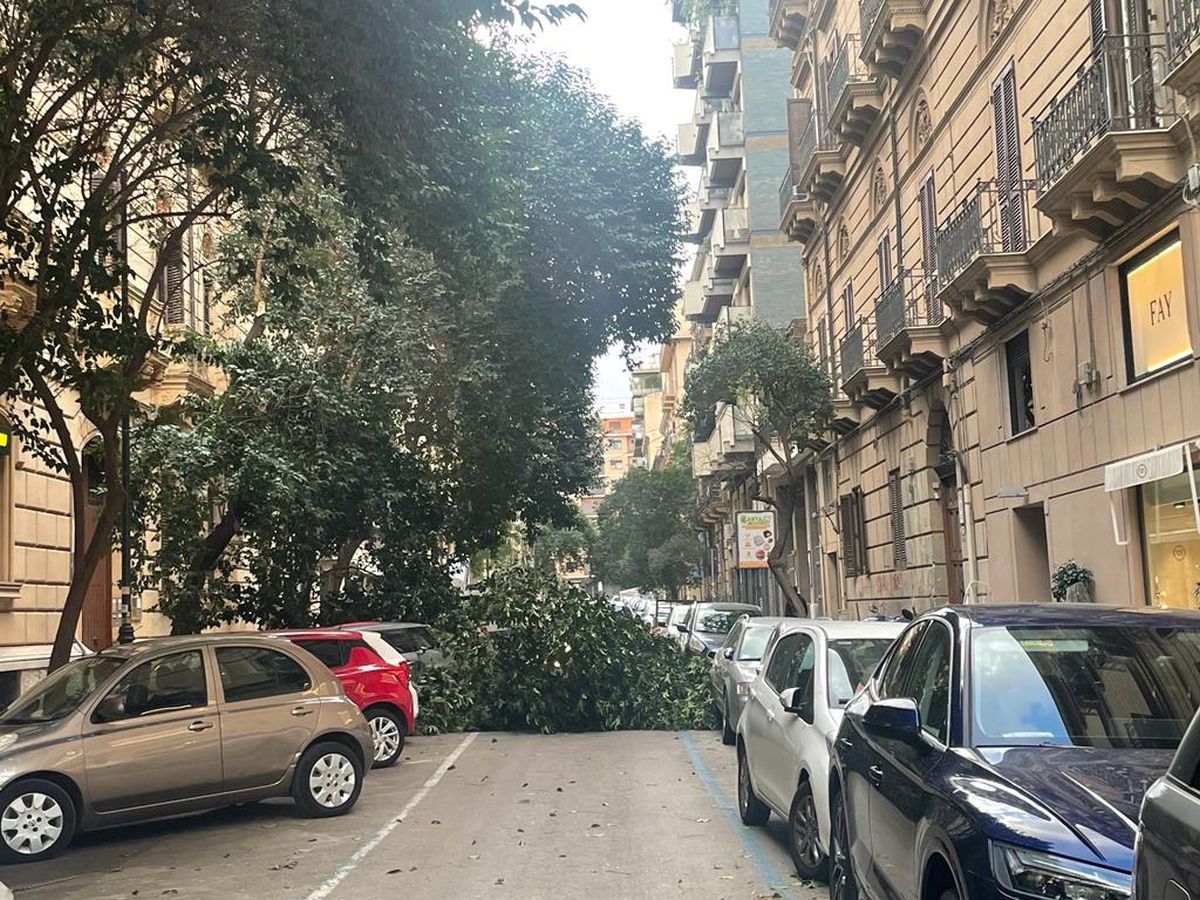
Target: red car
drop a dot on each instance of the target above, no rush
(374, 676)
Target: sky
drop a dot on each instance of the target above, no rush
(625, 45)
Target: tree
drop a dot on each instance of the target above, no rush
(563, 547)
(784, 398)
(644, 533)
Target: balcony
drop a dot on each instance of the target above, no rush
(17, 303)
(788, 20)
(690, 144)
(797, 210)
(716, 291)
(1183, 47)
(855, 95)
(722, 49)
(725, 149)
(686, 69)
(734, 441)
(702, 458)
(891, 32)
(1104, 146)
(693, 300)
(694, 220)
(983, 251)
(728, 317)
(730, 239)
(820, 161)
(847, 415)
(864, 379)
(712, 196)
(908, 326)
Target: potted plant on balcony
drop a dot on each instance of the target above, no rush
(1071, 583)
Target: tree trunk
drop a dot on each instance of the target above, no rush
(785, 507)
(333, 578)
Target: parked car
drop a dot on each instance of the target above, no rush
(706, 625)
(415, 642)
(374, 675)
(169, 726)
(678, 614)
(734, 667)
(1005, 751)
(785, 737)
(1167, 856)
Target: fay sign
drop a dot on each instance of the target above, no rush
(755, 538)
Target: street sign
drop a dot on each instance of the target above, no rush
(755, 538)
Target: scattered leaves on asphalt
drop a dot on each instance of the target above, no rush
(499, 880)
(435, 822)
(394, 871)
(704, 821)
(559, 790)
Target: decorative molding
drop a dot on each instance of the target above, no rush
(879, 188)
(922, 123)
(999, 16)
(843, 243)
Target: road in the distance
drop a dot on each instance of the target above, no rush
(624, 815)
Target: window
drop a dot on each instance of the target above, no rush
(248, 673)
(848, 305)
(735, 633)
(1154, 308)
(883, 260)
(929, 684)
(896, 502)
(823, 345)
(891, 684)
(330, 652)
(1020, 383)
(165, 684)
(754, 643)
(854, 533)
(616, 464)
(171, 281)
(1170, 544)
(788, 650)
(850, 663)
(1010, 193)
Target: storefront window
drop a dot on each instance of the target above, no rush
(1154, 308)
(1171, 545)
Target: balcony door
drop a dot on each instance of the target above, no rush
(1122, 47)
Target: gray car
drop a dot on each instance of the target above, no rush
(414, 641)
(734, 667)
(704, 630)
(170, 726)
(1167, 852)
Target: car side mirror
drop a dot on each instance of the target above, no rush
(110, 709)
(897, 719)
(796, 701)
(727, 653)
(683, 629)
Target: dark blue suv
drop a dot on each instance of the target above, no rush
(1003, 751)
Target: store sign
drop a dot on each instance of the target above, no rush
(1156, 307)
(755, 538)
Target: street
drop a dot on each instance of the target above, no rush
(624, 814)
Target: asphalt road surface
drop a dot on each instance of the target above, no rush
(622, 815)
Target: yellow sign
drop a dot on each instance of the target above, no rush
(755, 538)
(4, 441)
(1158, 326)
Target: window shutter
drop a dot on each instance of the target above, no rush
(848, 305)
(823, 345)
(1008, 163)
(860, 538)
(1096, 15)
(206, 289)
(883, 260)
(172, 281)
(849, 526)
(927, 200)
(896, 502)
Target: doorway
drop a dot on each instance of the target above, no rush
(1031, 554)
(96, 620)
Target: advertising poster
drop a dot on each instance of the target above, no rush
(755, 538)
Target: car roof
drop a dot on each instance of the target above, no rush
(729, 607)
(381, 626)
(309, 634)
(768, 621)
(145, 646)
(838, 629)
(1068, 614)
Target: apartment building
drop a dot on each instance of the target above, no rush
(744, 268)
(645, 388)
(1002, 270)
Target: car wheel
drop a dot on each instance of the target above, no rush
(804, 835)
(387, 730)
(752, 810)
(728, 735)
(37, 821)
(843, 885)
(327, 781)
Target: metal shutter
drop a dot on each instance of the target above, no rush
(927, 200)
(896, 501)
(849, 554)
(1008, 163)
(172, 281)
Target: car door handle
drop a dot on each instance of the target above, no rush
(770, 715)
(876, 774)
(845, 743)
(302, 711)
(200, 726)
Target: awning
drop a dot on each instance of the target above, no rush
(1149, 467)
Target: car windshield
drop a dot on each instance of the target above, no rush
(754, 643)
(851, 662)
(1098, 686)
(716, 621)
(61, 693)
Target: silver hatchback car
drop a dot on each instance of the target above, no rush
(175, 725)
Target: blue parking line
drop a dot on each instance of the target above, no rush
(750, 838)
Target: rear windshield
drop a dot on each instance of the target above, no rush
(411, 640)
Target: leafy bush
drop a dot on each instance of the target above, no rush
(532, 654)
(1068, 574)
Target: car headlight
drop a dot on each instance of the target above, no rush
(1040, 874)
(6, 741)
(742, 687)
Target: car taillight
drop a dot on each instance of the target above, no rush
(402, 669)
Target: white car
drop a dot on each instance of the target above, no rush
(811, 670)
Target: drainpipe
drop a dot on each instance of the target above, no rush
(896, 186)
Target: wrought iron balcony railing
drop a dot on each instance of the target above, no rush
(789, 190)
(1117, 89)
(852, 357)
(722, 34)
(806, 146)
(993, 218)
(847, 68)
(910, 301)
(868, 14)
(1183, 28)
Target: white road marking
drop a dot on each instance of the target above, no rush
(359, 855)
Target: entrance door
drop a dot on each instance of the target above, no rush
(1031, 554)
(97, 618)
(952, 532)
